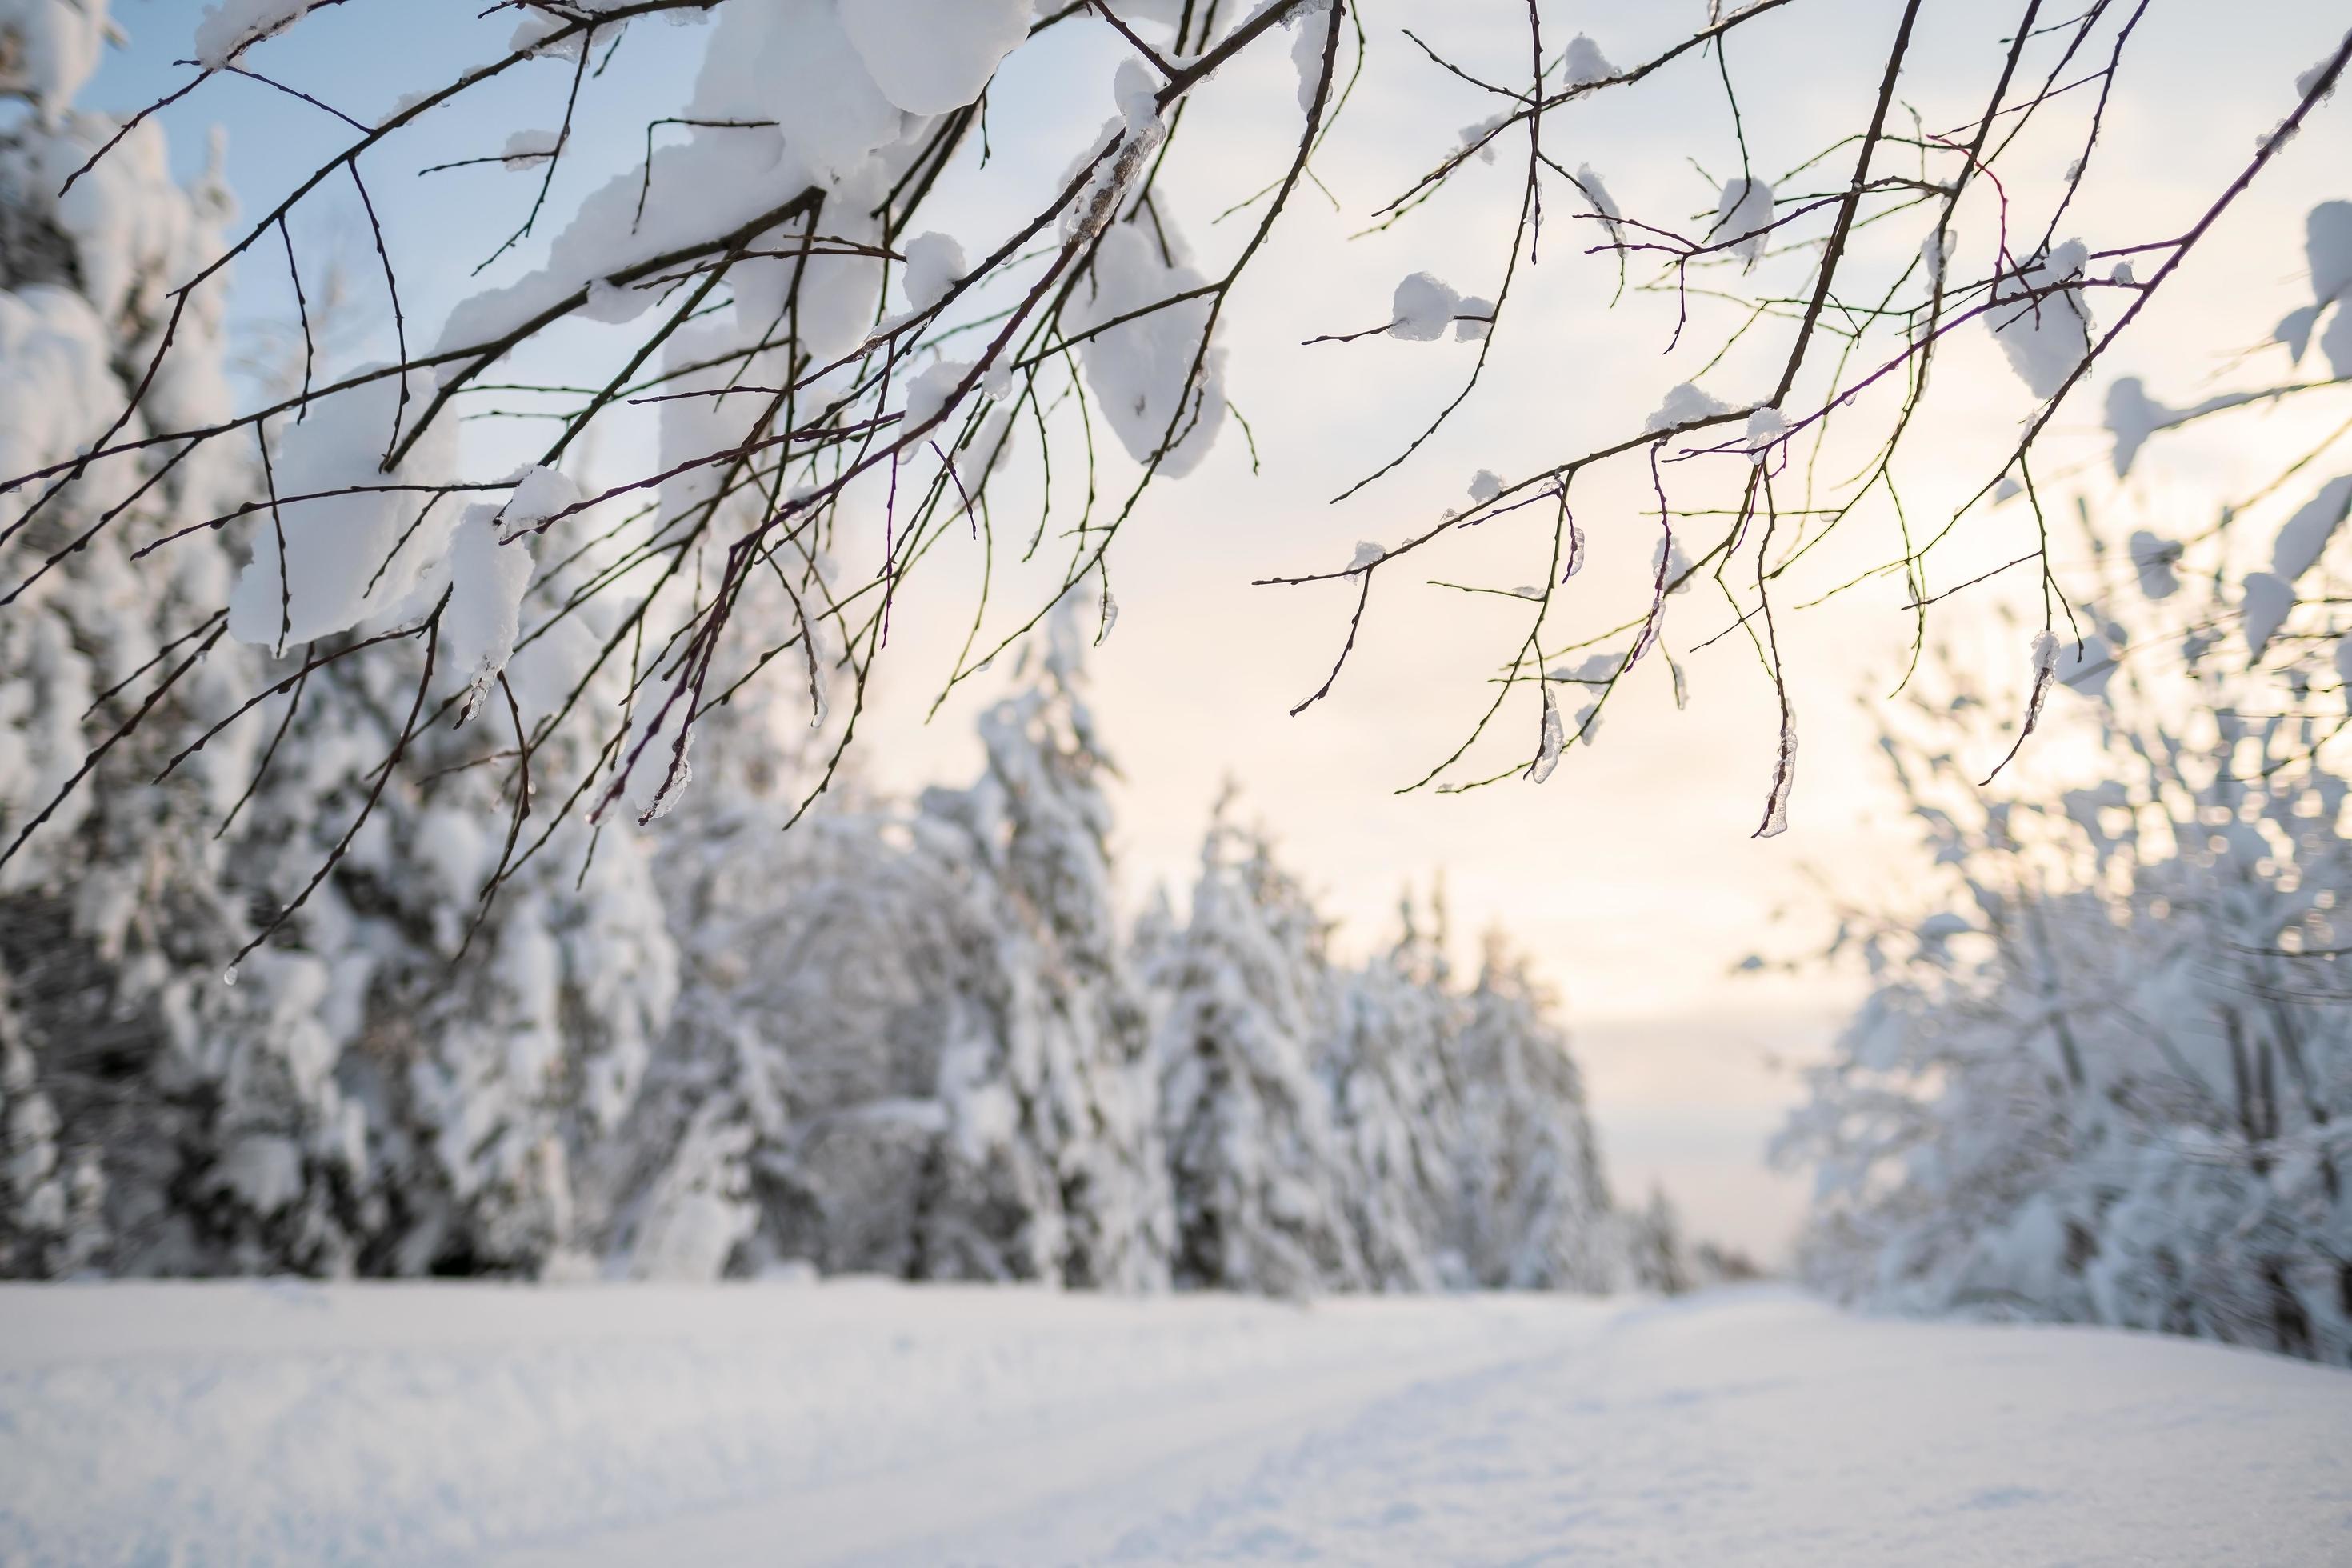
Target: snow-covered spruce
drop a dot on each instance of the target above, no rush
(940, 1068)
(351, 1096)
(151, 1119)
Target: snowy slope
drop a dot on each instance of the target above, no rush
(864, 1422)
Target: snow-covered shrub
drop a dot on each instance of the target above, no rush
(2103, 1077)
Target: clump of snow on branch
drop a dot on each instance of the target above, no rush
(2043, 658)
(932, 56)
(1936, 253)
(490, 574)
(1584, 64)
(2132, 417)
(1743, 215)
(1670, 568)
(928, 396)
(1550, 739)
(1481, 136)
(652, 770)
(487, 583)
(1595, 669)
(1613, 219)
(2087, 662)
(229, 28)
(2328, 252)
(526, 149)
(1784, 783)
(2264, 599)
(2041, 321)
(1423, 309)
(347, 541)
(1117, 161)
(1310, 25)
(2304, 536)
(2153, 558)
(809, 118)
(1685, 404)
(934, 264)
(2267, 597)
(1142, 371)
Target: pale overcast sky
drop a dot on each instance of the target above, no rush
(1631, 874)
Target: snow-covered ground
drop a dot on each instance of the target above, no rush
(864, 1422)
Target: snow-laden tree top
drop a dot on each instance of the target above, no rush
(845, 392)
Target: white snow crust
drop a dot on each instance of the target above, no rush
(861, 1422)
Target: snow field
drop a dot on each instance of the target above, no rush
(863, 1422)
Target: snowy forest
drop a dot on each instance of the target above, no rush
(436, 838)
(914, 1038)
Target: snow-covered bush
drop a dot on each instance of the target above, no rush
(2103, 1076)
(2105, 1080)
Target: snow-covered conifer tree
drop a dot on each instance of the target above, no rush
(1068, 1082)
(1536, 1203)
(1393, 1069)
(1250, 998)
(492, 1041)
(908, 1042)
(346, 1095)
(156, 1119)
